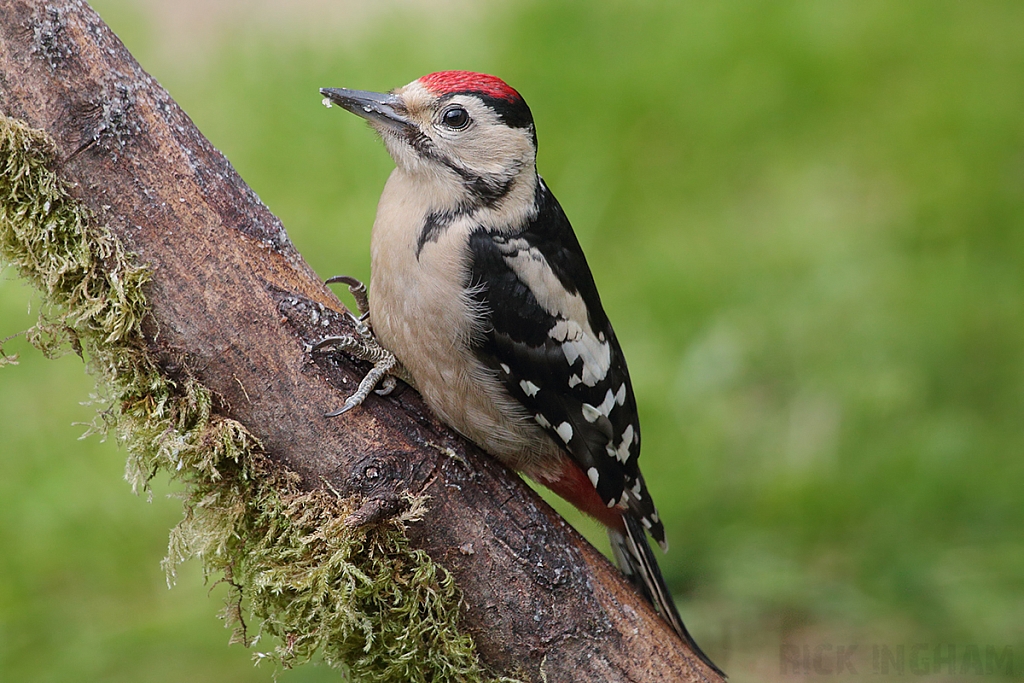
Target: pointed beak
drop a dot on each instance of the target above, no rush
(375, 107)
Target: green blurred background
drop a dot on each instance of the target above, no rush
(805, 219)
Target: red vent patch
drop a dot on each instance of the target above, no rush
(468, 81)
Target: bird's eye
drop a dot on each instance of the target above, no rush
(456, 118)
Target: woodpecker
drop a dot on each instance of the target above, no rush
(482, 299)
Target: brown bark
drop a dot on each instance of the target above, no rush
(234, 305)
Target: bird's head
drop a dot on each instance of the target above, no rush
(466, 129)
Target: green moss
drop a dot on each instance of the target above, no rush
(362, 600)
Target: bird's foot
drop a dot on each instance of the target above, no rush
(385, 371)
(363, 346)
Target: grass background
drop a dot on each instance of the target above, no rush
(805, 219)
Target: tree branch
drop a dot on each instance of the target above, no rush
(234, 306)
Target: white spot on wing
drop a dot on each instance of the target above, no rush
(506, 369)
(529, 388)
(574, 380)
(596, 356)
(622, 452)
(590, 413)
(607, 404)
(620, 397)
(627, 437)
(564, 430)
(594, 476)
(542, 421)
(571, 352)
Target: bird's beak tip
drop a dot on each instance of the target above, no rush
(381, 108)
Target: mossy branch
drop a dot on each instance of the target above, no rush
(360, 541)
(361, 599)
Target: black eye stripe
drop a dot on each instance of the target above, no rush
(455, 118)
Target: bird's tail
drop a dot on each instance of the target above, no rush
(635, 558)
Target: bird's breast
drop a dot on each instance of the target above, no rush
(417, 286)
(421, 311)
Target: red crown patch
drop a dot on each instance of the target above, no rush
(469, 81)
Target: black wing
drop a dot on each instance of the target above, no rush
(549, 340)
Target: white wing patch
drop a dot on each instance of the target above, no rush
(566, 330)
(597, 357)
(572, 328)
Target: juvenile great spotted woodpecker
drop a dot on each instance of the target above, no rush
(481, 298)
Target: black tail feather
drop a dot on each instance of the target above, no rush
(636, 559)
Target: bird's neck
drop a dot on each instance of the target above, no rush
(510, 205)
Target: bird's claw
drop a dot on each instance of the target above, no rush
(362, 327)
(350, 403)
(387, 385)
(344, 343)
(358, 291)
